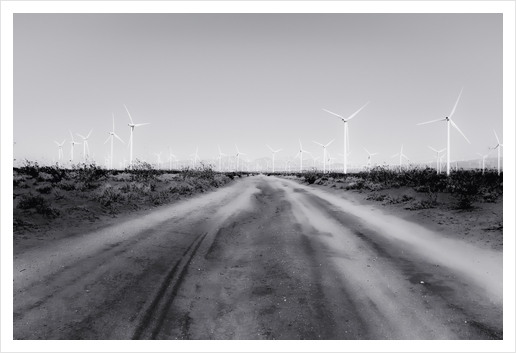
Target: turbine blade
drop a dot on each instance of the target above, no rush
(455, 106)
(118, 137)
(270, 148)
(81, 136)
(107, 139)
(127, 110)
(366, 151)
(113, 122)
(397, 154)
(89, 133)
(497, 140)
(432, 121)
(141, 124)
(351, 117)
(329, 142)
(334, 114)
(72, 134)
(56, 142)
(319, 144)
(372, 154)
(455, 126)
(433, 149)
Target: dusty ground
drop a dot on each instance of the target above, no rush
(264, 258)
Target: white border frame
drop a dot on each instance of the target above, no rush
(8, 8)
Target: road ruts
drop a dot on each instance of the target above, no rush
(265, 258)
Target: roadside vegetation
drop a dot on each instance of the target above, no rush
(48, 196)
(462, 189)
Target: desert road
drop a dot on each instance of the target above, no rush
(262, 258)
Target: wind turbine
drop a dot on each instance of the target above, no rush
(132, 125)
(170, 157)
(346, 133)
(238, 156)
(449, 122)
(484, 160)
(85, 145)
(401, 155)
(73, 143)
(369, 157)
(498, 145)
(438, 166)
(60, 150)
(111, 134)
(324, 153)
(195, 156)
(220, 158)
(273, 153)
(159, 159)
(300, 153)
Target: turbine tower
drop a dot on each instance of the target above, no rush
(273, 153)
(498, 145)
(438, 166)
(324, 153)
(60, 150)
(111, 135)
(484, 160)
(238, 156)
(220, 158)
(449, 122)
(85, 145)
(195, 157)
(401, 155)
(369, 157)
(346, 133)
(73, 143)
(132, 125)
(170, 157)
(300, 153)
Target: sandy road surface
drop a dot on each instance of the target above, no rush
(265, 258)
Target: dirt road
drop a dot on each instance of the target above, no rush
(264, 258)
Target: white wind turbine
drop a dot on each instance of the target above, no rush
(111, 135)
(369, 159)
(170, 157)
(85, 145)
(132, 125)
(73, 143)
(449, 122)
(438, 166)
(300, 154)
(238, 156)
(195, 157)
(220, 158)
(498, 145)
(346, 133)
(484, 160)
(324, 153)
(273, 153)
(160, 163)
(401, 155)
(60, 150)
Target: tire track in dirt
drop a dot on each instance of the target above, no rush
(464, 308)
(103, 292)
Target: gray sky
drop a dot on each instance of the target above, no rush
(204, 80)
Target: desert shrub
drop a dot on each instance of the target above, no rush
(490, 197)
(142, 171)
(376, 197)
(20, 225)
(356, 185)
(31, 201)
(89, 174)
(58, 195)
(44, 189)
(66, 185)
(29, 168)
(159, 198)
(108, 195)
(41, 205)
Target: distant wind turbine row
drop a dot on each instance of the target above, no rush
(326, 159)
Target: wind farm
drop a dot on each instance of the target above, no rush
(236, 206)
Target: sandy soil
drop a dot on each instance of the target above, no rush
(263, 258)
